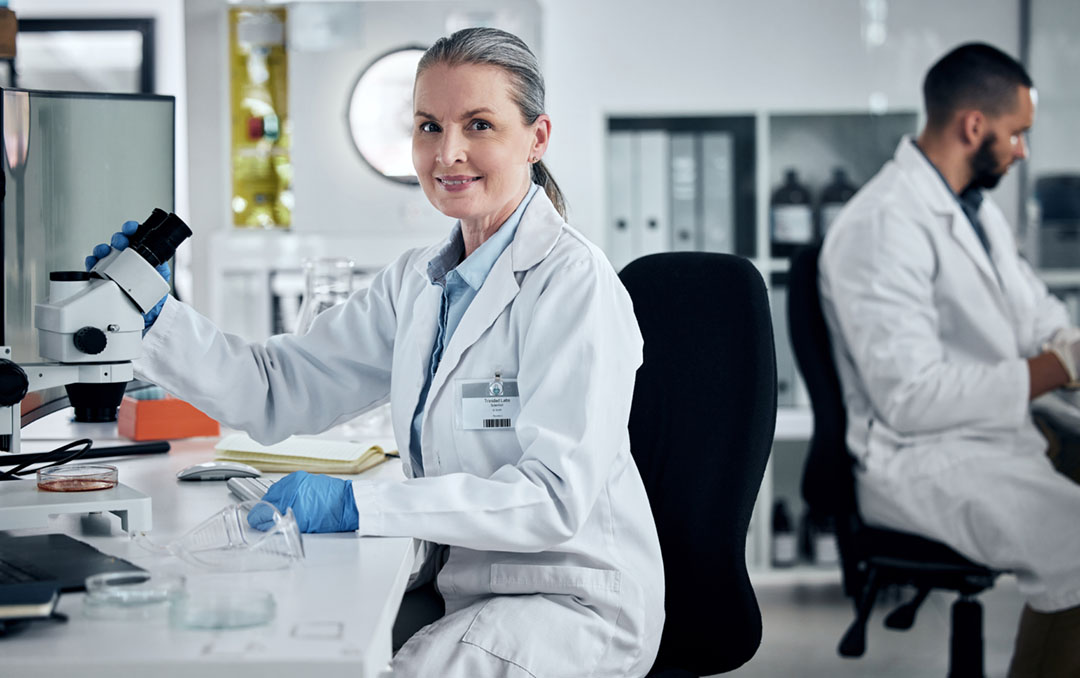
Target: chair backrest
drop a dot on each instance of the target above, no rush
(827, 479)
(701, 427)
(828, 483)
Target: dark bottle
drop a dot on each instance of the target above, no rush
(833, 197)
(784, 551)
(791, 216)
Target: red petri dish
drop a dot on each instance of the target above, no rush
(77, 478)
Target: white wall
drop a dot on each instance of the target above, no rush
(1055, 67)
(205, 51)
(170, 75)
(691, 56)
(620, 57)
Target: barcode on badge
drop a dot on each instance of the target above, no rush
(496, 423)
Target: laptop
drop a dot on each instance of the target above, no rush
(55, 558)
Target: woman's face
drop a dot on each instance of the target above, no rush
(471, 149)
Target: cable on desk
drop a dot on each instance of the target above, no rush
(55, 457)
(99, 452)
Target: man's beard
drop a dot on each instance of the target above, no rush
(984, 166)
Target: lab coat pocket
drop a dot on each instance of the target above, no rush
(548, 620)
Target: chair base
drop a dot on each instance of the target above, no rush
(903, 617)
(966, 640)
(966, 644)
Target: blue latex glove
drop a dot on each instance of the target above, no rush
(120, 241)
(320, 503)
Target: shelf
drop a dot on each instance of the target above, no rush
(798, 574)
(774, 265)
(794, 424)
(1060, 277)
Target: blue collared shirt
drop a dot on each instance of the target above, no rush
(460, 282)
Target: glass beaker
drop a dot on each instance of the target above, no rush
(328, 281)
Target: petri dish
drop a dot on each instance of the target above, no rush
(134, 588)
(215, 609)
(77, 478)
(131, 595)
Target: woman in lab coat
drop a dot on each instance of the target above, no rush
(508, 355)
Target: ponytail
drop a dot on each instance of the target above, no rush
(543, 178)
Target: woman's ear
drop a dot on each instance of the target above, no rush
(541, 136)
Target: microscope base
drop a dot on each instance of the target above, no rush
(23, 505)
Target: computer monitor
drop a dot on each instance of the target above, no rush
(76, 166)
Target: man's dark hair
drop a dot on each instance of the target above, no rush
(974, 75)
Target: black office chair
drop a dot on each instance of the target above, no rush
(871, 558)
(701, 427)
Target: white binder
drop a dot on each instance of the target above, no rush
(718, 194)
(620, 176)
(684, 192)
(652, 223)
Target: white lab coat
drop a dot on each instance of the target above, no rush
(554, 507)
(931, 339)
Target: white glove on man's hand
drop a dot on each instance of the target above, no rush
(1065, 344)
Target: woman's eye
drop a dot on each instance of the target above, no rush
(429, 127)
(481, 125)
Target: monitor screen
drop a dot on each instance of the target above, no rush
(76, 166)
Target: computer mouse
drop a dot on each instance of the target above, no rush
(217, 470)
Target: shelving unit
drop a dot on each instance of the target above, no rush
(765, 143)
(1060, 278)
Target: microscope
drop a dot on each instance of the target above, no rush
(89, 330)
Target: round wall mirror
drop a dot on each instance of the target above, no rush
(381, 114)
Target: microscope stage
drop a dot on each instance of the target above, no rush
(23, 505)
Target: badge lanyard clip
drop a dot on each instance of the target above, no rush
(495, 387)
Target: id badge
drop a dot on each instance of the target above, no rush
(488, 404)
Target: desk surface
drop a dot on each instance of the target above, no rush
(335, 610)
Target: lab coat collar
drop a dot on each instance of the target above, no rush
(941, 200)
(536, 235)
(450, 253)
(540, 227)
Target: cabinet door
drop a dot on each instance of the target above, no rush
(717, 192)
(684, 192)
(652, 224)
(620, 172)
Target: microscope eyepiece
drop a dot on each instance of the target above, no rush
(157, 238)
(153, 221)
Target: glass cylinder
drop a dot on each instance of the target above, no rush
(328, 281)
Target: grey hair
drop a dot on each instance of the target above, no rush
(493, 47)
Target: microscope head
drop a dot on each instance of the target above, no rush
(134, 268)
(96, 317)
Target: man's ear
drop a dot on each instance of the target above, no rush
(972, 127)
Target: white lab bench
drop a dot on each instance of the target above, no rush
(334, 613)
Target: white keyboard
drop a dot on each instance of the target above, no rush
(249, 489)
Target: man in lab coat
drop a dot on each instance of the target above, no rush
(942, 336)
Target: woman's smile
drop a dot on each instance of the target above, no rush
(457, 182)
